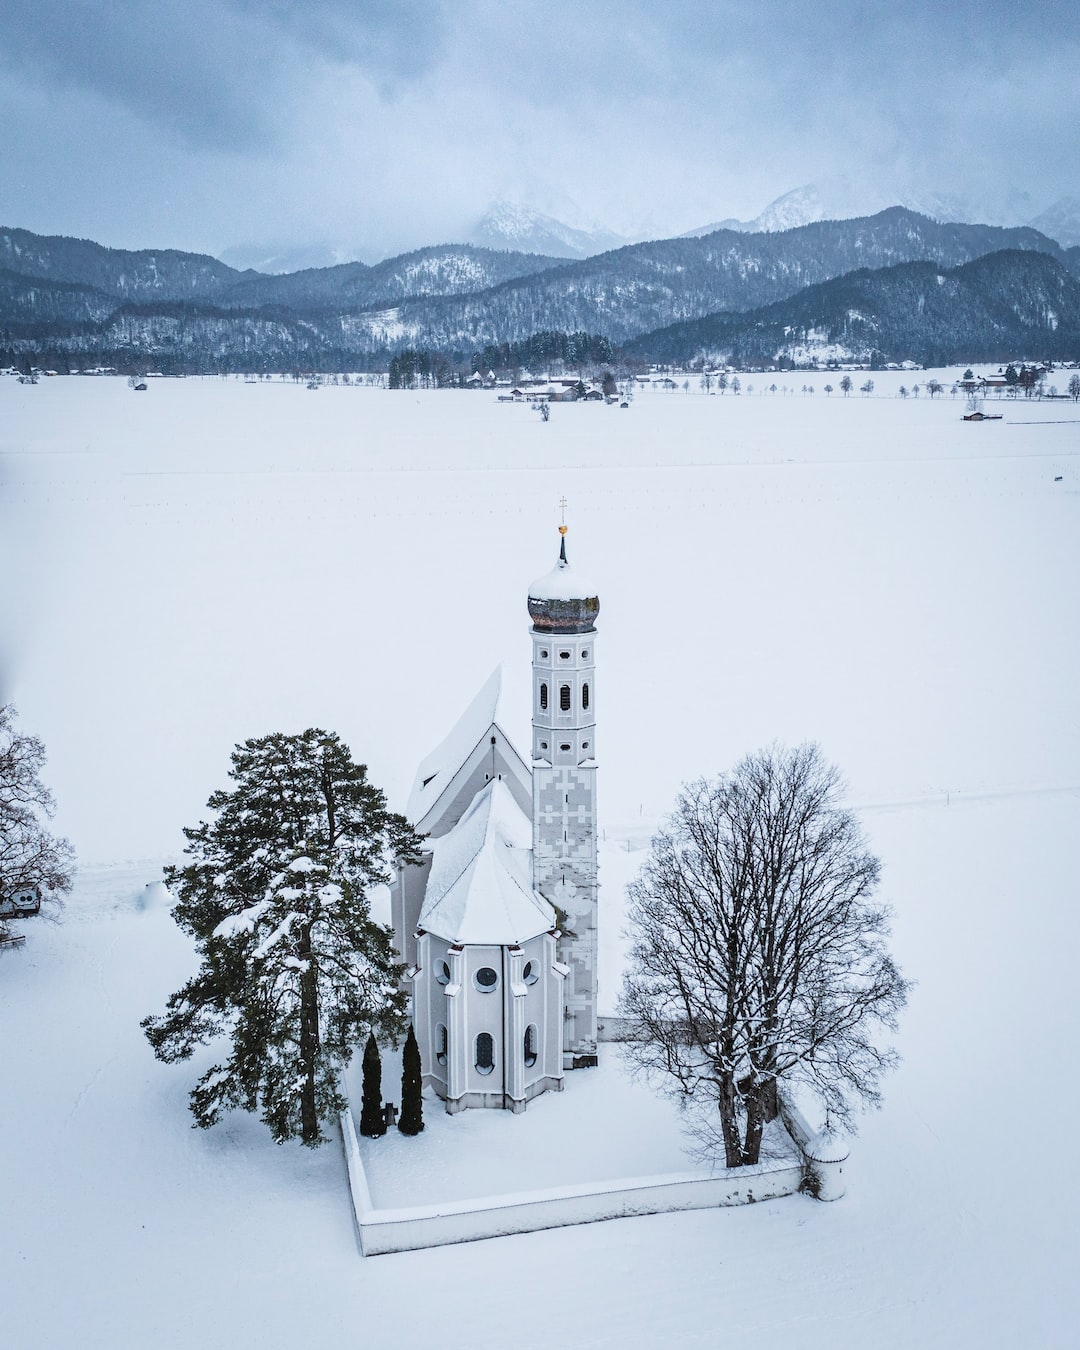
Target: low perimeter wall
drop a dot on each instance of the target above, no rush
(400, 1230)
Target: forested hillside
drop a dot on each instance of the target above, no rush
(71, 301)
(987, 309)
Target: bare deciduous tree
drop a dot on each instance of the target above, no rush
(30, 857)
(758, 956)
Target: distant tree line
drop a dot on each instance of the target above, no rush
(538, 351)
(426, 369)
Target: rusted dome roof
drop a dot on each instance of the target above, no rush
(563, 602)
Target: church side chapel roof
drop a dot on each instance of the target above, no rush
(480, 886)
(437, 771)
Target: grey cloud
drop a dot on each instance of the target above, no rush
(396, 121)
(220, 73)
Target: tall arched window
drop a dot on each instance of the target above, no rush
(584, 695)
(442, 1044)
(530, 1047)
(485, 1053)
(543, 696)
(564, 697)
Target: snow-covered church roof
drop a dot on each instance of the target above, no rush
(447, 761)
(479, 889)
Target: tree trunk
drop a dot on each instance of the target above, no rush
(309, 1042)
(755, 1120)
(761, 1106)
(729, 1123)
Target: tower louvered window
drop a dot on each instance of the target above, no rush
(485, 1053)
(584, 695)
(543, 696)
(564, 697)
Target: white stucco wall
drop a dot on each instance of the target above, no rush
(398, 1230)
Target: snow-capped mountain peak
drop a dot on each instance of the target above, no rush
(1060, 221)
(514, 225)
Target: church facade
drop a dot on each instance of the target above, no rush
(497, 924)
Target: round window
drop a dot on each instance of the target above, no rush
(442, 973)
(486, 978)
(530, 974)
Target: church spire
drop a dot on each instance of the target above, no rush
(563, 607)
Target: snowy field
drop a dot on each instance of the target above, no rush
(212, 560)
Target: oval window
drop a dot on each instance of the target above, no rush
(564, 656)
(565, 745)
(442, 973)
(530, 974)
(485, 1053)
(486, 978)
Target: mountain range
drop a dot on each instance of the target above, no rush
(1003, 303)
(750, 294)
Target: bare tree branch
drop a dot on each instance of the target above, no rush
(757, 954)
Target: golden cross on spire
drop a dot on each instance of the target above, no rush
(563, 503)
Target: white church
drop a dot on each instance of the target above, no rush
(497, 923)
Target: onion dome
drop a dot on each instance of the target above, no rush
(563, 602)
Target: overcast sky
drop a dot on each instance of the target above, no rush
(379, 125)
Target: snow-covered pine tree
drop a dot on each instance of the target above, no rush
(294, 970)
(412, 1086)
(372, 1120)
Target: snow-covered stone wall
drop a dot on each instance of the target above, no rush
(416, 1227)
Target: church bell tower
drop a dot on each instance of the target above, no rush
(563, 609)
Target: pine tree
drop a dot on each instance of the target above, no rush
(412, 1084)
(294, 969)
(372, 1121)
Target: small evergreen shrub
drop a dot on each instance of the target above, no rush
(412, 1083)
(372, 1124)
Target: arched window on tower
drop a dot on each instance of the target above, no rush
(564, 698)
(485, 1053)
(441, 1044)
(543, 696)
(584, 695)
(530, 1047)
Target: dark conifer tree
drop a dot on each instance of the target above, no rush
(294, 968)
(412, 1084)
(372, 1121)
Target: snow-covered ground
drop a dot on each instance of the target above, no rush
(604, 1126)
(212, 560)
